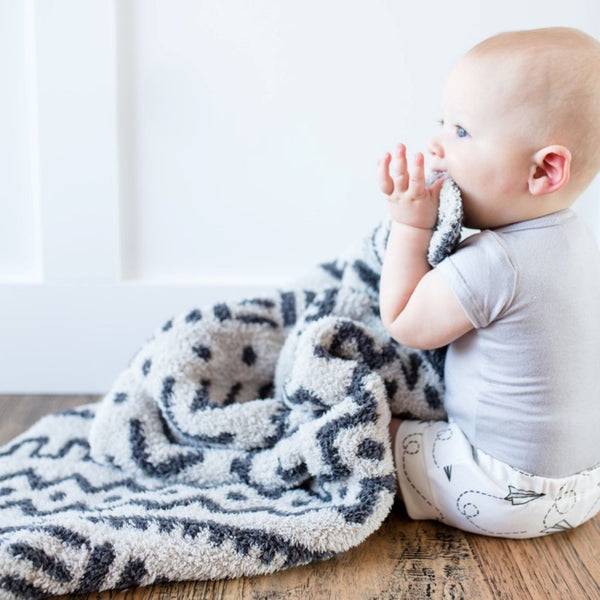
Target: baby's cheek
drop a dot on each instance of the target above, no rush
(508, 186)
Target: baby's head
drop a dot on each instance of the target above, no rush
(521, 124)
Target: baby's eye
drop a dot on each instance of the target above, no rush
(460, 132)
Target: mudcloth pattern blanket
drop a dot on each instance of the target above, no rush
(243, 438)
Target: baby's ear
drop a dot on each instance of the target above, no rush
(550, 171)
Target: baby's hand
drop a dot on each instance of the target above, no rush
(411, 201)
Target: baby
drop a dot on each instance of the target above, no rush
(518, 303)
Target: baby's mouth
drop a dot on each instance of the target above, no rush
(433, 175)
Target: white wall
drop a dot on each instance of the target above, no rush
(159, 155)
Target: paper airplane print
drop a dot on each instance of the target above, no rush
(563, 525)
(518, 496)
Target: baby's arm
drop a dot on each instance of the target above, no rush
(417, 306)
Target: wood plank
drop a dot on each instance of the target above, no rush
(564, 565)
(403, 559)
(18, 412)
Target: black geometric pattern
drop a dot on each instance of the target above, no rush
(242, 438)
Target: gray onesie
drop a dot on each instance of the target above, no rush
(524, 385)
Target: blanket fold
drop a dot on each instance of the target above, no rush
(243, 438)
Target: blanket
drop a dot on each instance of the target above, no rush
(243, 438)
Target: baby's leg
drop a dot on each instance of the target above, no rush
(443, 477)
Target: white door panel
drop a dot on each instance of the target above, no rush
(159, 155)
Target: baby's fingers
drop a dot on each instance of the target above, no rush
(436, 187)
(386, 184)
(399, 172)
(417, 178)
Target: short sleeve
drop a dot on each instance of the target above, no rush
(482, 277)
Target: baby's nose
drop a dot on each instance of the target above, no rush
(435, 148)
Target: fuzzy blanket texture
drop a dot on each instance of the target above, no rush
(243, 438)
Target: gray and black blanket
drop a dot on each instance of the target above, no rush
(243, 438)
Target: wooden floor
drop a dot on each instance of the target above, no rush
(403, 559)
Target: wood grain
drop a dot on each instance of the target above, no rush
(403, 559)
